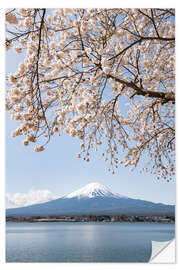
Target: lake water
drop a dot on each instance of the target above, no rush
(83, 242)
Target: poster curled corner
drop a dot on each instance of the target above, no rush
(163, 252)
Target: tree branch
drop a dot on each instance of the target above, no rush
(166, 97)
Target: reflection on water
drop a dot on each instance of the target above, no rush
(84, 242)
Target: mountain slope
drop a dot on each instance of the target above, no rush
(94, 199)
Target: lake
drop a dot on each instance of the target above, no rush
(83, 242)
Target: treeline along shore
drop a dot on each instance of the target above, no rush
(93, 218)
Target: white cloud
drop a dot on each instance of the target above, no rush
(29, 198)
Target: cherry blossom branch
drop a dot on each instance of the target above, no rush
(166, 97)
(81, 65)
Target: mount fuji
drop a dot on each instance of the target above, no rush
(93, 199)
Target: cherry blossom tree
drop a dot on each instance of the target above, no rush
(81, 66)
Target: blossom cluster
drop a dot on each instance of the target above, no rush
(81, 65)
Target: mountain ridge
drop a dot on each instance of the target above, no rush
(96, 199)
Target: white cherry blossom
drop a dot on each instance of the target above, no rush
(81, 67)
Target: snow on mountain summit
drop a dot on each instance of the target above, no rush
(92, 190)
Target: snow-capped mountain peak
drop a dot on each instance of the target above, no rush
(92, 190)
(93, 199)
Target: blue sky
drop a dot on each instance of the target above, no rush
(58, 170)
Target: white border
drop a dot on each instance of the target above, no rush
(2, 140)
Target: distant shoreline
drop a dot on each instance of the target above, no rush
(111, 219)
